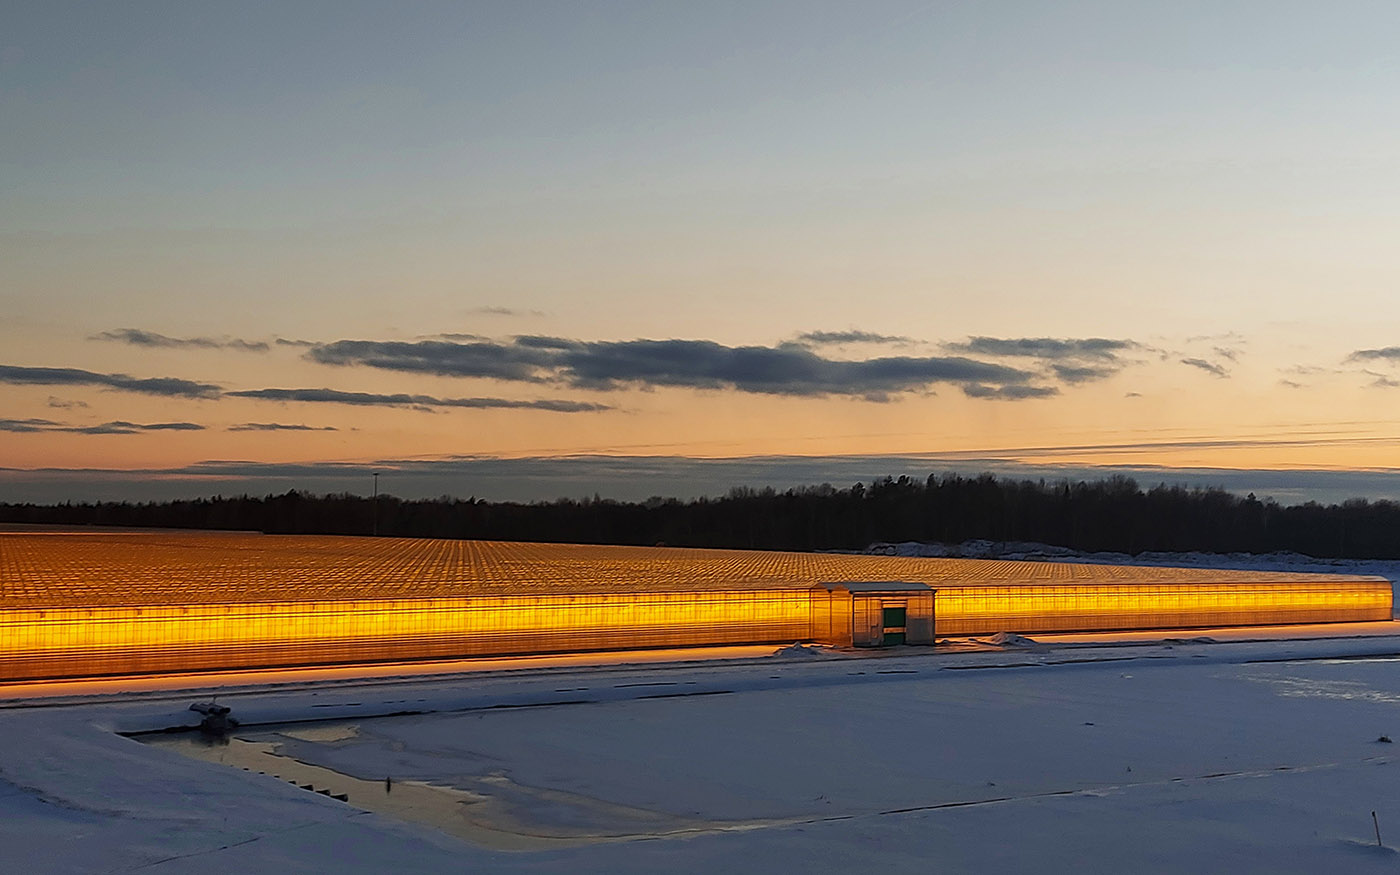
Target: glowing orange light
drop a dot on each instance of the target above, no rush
(127, 603)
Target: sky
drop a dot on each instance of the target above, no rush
(525, 250)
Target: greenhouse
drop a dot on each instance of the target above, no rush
(110, 603)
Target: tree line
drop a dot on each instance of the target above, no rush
(1113, 514)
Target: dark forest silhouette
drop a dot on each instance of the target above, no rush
(1111, 514)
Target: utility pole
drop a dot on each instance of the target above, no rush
(375, 475)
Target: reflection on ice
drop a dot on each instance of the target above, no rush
(1313, 688)
(488, 809)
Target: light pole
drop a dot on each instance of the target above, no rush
(375, 529)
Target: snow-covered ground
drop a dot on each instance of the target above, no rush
(1125, 756)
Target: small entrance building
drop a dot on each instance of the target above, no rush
(872, 613)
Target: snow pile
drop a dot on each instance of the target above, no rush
(1007, 639)
(911, 548)
(803, 651)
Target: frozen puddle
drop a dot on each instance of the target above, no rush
(492, 811)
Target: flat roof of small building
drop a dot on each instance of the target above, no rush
(874, 585)
(73, 569)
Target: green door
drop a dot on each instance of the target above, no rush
(894, 626)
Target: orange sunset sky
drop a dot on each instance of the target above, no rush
(531, 250)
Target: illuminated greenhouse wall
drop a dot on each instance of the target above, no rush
(979, 610)
(109, 641)
(75, 642)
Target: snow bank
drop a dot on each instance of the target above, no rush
(803, 651)
(1007, 639)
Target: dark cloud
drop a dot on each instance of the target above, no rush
(1209, 367)
(62, 404)
(518, 362)
(1046, 347)
(1386, 354)
(535, 341)
(1008, 393)
(834, 337)
(123, 427)
(1083, 373)
(178, 388)
(278, 426)
(167, 386)
(698, 364)
(29, 426)
(427, 402)
(703, 364)
(286, 341)
(162, 426)
(138, 337)
(1070, 361)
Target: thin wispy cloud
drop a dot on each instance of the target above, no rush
(27, 426)
(505, 311)
(421, 402)
(151, 339)
(1209, 367)
(821, 338)
(279, 426)
(787, 369)
(124, 427)
(172, 387)
(1048, 348)
(64, 404)
(1389, 354)
(34, 426)
(1010, 392)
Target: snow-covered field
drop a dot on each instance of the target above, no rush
(1117, 756)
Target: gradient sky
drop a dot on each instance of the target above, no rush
(254, 239)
